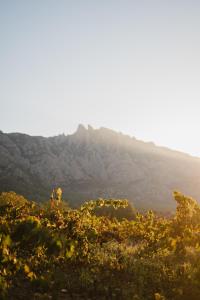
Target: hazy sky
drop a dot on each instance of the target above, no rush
(133, 66)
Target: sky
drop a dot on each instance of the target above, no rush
(132, 66)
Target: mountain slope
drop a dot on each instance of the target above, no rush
(95, 163)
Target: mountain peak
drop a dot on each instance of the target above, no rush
(90, 128)
(81, 128)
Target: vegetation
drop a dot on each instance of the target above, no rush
(54, 252)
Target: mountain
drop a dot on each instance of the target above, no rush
(94, 163)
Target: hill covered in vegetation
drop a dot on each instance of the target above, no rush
(62, 253)
(95, 163)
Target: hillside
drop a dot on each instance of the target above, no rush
(61, 253)
(95, 163)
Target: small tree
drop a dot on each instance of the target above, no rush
(56, 197)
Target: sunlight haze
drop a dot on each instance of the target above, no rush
(132, 66)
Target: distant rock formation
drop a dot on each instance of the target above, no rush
(95, 163)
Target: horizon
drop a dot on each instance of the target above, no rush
(130, 66)
(88, 126)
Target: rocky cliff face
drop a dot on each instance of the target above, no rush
(95, 163)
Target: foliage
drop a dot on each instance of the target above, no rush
(126, 211)
(61, 253)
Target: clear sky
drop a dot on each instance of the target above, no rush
(133, 66)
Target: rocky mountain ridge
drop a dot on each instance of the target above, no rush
(95, 163)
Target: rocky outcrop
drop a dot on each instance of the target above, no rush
(95, 163)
